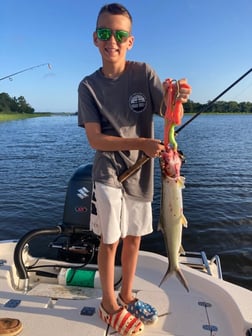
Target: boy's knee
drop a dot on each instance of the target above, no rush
(132, 240)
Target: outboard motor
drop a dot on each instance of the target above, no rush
(74, 241)
(78, 198)
(80, 244)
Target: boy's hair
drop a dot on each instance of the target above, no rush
(114, 9)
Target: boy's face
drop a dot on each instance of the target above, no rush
(111, 50)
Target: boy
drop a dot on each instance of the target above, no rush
(116, 106)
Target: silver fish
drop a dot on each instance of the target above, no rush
(171, 223)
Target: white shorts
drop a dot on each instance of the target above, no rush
(115, 215)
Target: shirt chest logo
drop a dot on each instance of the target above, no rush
(137, 102)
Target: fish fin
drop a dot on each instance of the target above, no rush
(168, 273)
(159, 227)
(179, 275)
(182, 279)
(160, 222)
(181, 250)
(184, 221)
(181, 181)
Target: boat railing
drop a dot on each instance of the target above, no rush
(199, 260)
(216, 260)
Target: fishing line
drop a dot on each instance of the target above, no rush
(240, 93)
(207, 106)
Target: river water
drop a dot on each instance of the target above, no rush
(38, 157)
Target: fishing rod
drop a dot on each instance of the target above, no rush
(208, 105)
(27, 69)
(134, 168)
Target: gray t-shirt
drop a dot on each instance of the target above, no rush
(123, 107)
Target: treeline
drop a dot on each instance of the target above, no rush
(218, 107)
(14, 105)
(19, 105)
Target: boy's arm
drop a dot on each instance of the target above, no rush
(103, 142)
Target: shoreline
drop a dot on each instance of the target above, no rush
(20, 116)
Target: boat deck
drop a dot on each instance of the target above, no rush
(211, 308)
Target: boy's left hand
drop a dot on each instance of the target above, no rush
(184, 90)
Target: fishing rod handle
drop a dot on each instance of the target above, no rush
(133, 168)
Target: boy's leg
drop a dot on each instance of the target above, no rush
(129, 258)
(110, 311)
(106, 261)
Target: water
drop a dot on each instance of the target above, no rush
(38, 157)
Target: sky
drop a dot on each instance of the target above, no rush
(209, 42)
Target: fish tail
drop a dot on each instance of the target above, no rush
(179, 275)
(182, 279)
(168, 273)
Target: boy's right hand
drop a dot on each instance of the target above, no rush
(153, 147)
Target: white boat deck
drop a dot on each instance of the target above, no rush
(213, 307)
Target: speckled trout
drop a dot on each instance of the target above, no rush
(172, 219)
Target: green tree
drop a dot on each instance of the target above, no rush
(17, 105)
(7, 104)
(23, 106)
(233, 107)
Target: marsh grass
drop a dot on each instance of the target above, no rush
(18, 116)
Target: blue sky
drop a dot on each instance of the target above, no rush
(207, 41)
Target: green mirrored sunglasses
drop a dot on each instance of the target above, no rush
(104, 34)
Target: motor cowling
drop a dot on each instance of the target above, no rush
(78, 198)
(78, 243)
